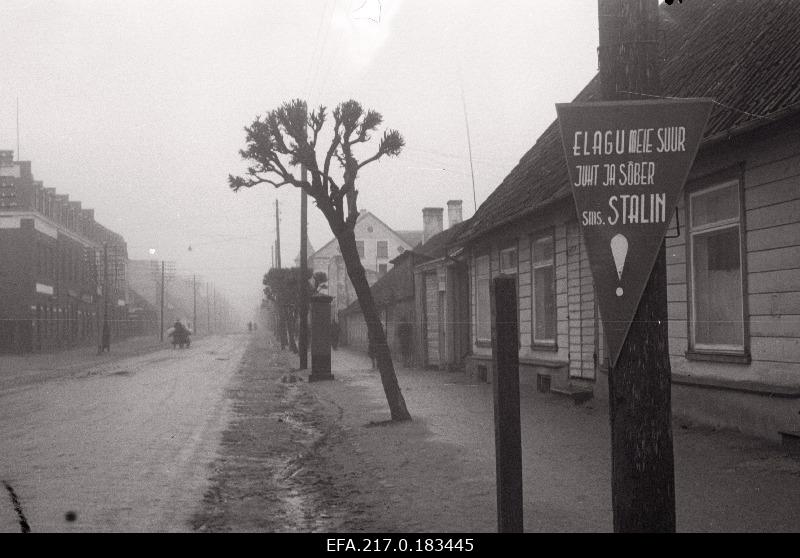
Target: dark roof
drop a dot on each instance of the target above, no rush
(398, 283)
(412, 237)
(394, 286)
(745, 54)
(436, 247)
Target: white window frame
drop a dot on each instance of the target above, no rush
(712, 227)
(550, 262)
(511, 270)
(378, 249)
(478, 279)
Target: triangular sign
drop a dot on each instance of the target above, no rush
(628, 162)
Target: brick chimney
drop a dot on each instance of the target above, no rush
(432, 218)
(453, 213)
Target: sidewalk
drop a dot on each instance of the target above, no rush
(438, 472)
(321, 457)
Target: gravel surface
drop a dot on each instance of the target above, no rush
(320, 457)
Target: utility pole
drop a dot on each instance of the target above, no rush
(194, 294)
(106, 330)
(302, 283)
(163, 274)
(642, 462)
(277, 235)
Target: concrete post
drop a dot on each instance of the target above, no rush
(320, 338)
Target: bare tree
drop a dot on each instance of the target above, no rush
(286, 138)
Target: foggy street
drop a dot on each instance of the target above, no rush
(400, 267)
(122, 444)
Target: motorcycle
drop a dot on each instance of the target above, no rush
(180, 337)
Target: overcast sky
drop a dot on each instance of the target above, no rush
(136, 108)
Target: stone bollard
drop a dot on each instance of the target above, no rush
(320, 338)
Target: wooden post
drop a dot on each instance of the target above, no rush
(302, 283)
(277, 235)
(642, 463)
(163, 274)
(320, 338)
(505, 384)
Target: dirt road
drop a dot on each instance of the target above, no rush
(124, 445)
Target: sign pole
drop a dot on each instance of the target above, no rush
(639, 384)
(628, 160)
(302, 284)
(505, 387)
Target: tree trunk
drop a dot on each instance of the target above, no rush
(377, 337)
(291, 329)
(282, 324)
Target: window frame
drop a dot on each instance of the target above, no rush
(723, 352)
(385, 255)
(513, 270)
(536, 343)
(480, 341)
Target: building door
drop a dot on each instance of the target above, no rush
(432, 319)
(458, 323)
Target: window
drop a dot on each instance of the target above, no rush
(544, 294)
(383, 249)
(382, 270)
(360, 247)
(483, 327)
(717, 309)
(508, 261)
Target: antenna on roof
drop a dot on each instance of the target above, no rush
(18, 157)
(469, 142)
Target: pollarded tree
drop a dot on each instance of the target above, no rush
(286, 139)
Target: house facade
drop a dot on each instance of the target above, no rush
(733, 247)
(442, 295)
(394, 296)
(377, 245)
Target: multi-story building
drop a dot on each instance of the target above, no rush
(377, 245)
(54, 261)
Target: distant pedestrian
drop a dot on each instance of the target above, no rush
(404, 334)
(372, 353)
(250, 326)
(105, 340)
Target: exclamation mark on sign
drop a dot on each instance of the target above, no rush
(619, 249)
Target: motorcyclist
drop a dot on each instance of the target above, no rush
(180, 335)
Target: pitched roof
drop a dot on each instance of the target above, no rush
(396, 285)
(745, 54)
(412, 237)
(436, 247)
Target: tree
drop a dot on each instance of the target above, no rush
(288, 137)
(281, 286)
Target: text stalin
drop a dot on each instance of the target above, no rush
(629, 209)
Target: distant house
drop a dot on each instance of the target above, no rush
(442, 294)
(734, 253)
(377, 244)
(309, 250)
(394, 296)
